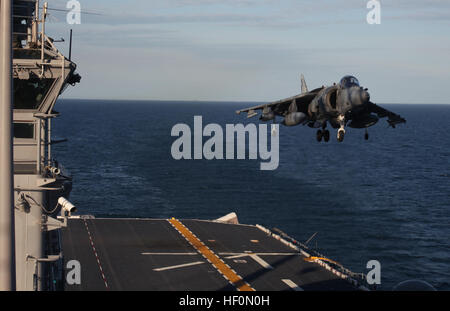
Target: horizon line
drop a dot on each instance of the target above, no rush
(225, 101)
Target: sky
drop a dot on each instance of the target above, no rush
(255, 50)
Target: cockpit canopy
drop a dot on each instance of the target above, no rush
(348, 81)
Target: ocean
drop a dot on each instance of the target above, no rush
(385, 199)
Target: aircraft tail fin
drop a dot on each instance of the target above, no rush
(304, 86)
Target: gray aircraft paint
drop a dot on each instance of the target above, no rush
(337, 105)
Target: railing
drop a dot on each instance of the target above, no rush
(316, 255)
(356, 279)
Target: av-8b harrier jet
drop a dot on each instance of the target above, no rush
(340, 105)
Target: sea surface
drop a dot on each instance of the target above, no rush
(386, 199)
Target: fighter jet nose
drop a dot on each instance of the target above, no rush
(365, 96)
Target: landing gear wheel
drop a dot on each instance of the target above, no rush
(326, 135)
(319, 136)
(366, 135)
(340, 135)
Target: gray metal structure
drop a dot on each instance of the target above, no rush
(7, 261)
(345, 103)
(40, 73)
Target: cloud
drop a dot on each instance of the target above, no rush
(255, 50)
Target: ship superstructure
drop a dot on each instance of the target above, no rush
(40, 74)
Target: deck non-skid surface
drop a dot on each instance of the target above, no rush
(149, 254)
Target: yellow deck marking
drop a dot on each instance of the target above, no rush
(218, 263)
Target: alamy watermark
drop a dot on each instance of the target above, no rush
(374, 15)
(213, 148)
(73, 276)
(374, 275)
(74, 14)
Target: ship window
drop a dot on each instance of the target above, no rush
(23, 130)
(29, 94)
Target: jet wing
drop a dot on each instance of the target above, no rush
(281, 107)
(393, 118)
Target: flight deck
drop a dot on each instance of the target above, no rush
(191, 255)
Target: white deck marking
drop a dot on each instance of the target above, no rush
(261, 261)
(246, 253)
(179, 266)
(292, 285)
(255, 257)
(232, 255)
(236, 256)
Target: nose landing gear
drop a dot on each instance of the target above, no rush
(341, 131)
(340, 135)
